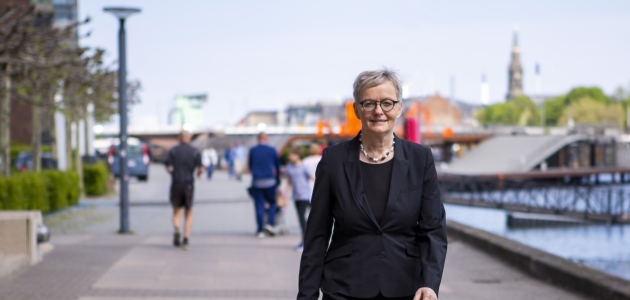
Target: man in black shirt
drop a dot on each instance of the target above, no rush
(181, 162)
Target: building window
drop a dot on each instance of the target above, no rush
(64, 13)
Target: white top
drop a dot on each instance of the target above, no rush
(311, 163)
(209, 156)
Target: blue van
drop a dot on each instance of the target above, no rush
(137, 159)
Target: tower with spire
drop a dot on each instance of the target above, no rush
(515, 71)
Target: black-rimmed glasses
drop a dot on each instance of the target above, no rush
(370, 105)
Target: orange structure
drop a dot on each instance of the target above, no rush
(413, 111)
(350, 128)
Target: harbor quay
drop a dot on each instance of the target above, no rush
(89, 261)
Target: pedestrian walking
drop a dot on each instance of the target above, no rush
(182, 161)
(240, 155)
(264, 165)
(312, 160)
(382, 194)
(209, 159)
(229, 159)
(298, 176)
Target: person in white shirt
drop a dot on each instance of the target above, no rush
(311, 161)
(209, 159)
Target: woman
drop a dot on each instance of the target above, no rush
(382, 194)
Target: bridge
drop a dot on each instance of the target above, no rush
(600, 194)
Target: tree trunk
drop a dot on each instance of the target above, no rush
(36, 137)
(53, 134)
(78, 165)
(86, 126)
(68, 121)
(5, 122)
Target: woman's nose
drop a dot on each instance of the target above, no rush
(378, 110)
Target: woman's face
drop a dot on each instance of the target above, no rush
(378, 121)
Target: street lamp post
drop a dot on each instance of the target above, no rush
(123, 13)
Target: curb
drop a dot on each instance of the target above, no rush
(544, 266)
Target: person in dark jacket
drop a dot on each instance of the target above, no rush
(381, 193)
(264, 165)
(181, 162)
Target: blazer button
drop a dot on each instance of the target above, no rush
(382, 255)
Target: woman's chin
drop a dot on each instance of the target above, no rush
(378, 128)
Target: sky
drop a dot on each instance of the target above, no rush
(264, 55)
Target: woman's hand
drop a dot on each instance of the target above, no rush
(425, 293)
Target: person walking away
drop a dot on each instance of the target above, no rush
(209, 159)
(229, 159)
(240, 153)
(264, 165)
(182, 161)
(311, 161)
(298, 176)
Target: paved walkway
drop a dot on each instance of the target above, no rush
(225, 260)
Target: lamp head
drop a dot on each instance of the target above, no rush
(121, 12)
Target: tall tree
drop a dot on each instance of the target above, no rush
(15, 26)
(44, 53)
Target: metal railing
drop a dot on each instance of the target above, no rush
(577, 196)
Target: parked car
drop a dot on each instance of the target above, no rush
(24, 161)
(137, 159)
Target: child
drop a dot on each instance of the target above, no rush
(298, 176)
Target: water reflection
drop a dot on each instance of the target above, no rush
(605, 247)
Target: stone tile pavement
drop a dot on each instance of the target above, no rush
(225, 260)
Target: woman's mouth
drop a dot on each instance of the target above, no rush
(378, 121)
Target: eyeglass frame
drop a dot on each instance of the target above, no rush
(380, 103)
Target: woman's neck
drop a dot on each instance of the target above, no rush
(377, 142)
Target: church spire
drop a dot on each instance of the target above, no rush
(515, 70)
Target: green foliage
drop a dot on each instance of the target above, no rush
(74, 189)
(95, 178)
(58, 189)
(590, 111)
(44, 191)
(593, 93)
(518, 111)
(554, 108)
(35, 191)
(14, 193)
(590, 106)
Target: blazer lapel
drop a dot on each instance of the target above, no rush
(353, 173)
(398, 180)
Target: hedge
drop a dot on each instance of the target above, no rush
(95, 178)
(44, 191)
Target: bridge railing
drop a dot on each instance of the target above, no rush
(580, 196)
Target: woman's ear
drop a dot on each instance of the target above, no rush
(400, 110)
(356, 112)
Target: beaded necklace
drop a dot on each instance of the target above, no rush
(375, 160)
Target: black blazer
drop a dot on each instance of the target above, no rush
(403, 253)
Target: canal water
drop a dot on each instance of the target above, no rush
(600, 246)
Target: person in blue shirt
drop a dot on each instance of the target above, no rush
(264, 165)
(240, 153)
(229, 159)
(298, 180)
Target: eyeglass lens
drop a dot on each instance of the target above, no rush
(370, 105)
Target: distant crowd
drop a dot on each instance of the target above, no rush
(273, 183)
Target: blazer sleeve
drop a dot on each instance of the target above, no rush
(318, 230)
(431, 229)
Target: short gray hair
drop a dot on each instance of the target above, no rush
(370, 79)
